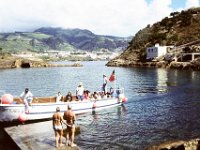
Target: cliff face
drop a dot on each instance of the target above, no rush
(177, 29)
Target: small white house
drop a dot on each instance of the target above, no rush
(156, 51)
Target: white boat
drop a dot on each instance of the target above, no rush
(43, 108)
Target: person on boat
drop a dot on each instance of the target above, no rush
(86, 95)
(79, 91)
(95, 95)
(70, 118)
(68, 97)
(27, 98)
(57, 126)
(98, 96)
(58, 97)
(105, 81)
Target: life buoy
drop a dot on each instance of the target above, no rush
(22, 117)
(124, 100)
(6, 99)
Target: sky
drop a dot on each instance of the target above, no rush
(104, 17)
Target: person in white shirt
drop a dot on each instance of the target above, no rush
(58, 97)
(79, 91)
(27, 98)
(105, 81)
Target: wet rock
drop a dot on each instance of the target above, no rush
(193, 144)
(193, 65)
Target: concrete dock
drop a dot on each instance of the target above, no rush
(35, 136)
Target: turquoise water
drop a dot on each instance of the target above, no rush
(162, 104)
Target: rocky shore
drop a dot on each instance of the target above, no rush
(12, 62)
(193, 144)
(193, 65)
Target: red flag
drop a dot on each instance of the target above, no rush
(112, 76)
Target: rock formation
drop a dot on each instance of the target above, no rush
(12, 62)
(193, 144)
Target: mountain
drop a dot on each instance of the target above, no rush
(44, 39)
(179, 29)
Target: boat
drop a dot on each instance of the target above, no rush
(45, 107)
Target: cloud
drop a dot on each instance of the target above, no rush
(108, 17)
(191, 3)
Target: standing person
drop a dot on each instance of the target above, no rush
(105, 81)
(57, 126)
(79, 91)
(27, 98)
(70, 118)
(58, 97)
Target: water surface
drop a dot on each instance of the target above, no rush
(162, 104)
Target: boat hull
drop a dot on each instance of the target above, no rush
(37, 111)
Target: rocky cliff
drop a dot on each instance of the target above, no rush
(177, 29)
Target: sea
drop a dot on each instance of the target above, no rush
(163, 104)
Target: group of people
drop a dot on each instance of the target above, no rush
(58, 120)
(81, 94)
(67, 98)
(69, 116)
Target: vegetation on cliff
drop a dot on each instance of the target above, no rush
(177, 29)
(45, 39)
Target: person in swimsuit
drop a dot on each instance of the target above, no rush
(57, 126)
(70, 118)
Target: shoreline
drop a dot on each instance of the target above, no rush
(194, 65)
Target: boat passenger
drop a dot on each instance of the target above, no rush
(99, 96)
(111, 91)
(27, 98)
(105, 96)
(57, 126)
(68, 97)
(109, 95)
(70, 118)
(86, 95)
(79, 91)
(105, 81)
(92, 97)
(58, 97)
(95, 95)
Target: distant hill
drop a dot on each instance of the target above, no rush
(44, 39)
(177, 29)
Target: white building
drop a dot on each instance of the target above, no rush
(156, 51)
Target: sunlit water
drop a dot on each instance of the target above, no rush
(162, 104)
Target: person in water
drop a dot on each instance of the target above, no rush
(57, 126)
(70, 118)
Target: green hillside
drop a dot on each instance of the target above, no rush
(45, 39)
(177, 29)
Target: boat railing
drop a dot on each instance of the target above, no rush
(51, 99)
